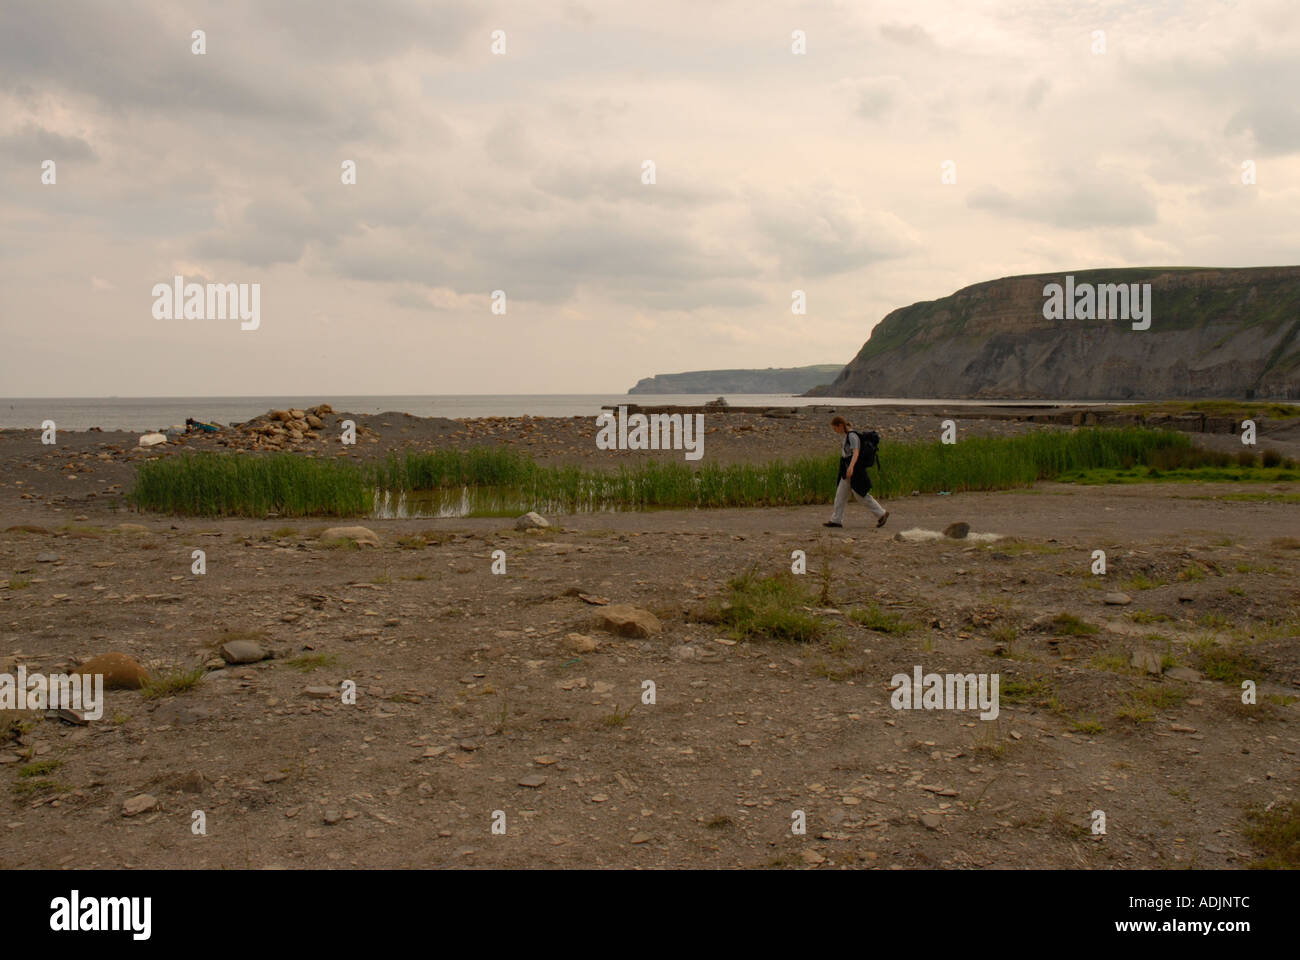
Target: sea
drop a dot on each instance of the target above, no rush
(158, 413)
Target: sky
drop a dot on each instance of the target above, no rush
(522, 172)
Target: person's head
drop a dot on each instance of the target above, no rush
(839, 425)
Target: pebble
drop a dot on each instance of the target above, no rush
(142, 803)
(242, 651)
(581, 643)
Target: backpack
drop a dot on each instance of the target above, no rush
(870, 455)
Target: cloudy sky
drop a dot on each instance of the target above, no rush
(522, 172)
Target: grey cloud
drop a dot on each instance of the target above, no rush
(578, 179)
(875, 98)
(1275, 127)
(1081, 201)
(546, 258)
(821, 234)
(1225, 195)
(34, 143)
(130, 55)
(1254, 89)
(372, 30)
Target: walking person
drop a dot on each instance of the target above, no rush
(853, 476)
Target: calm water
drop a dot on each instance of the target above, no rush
(156, 413)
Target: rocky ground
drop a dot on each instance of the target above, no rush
(483, 696)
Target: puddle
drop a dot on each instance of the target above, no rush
(474, 502)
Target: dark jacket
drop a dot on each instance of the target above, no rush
(860, 482)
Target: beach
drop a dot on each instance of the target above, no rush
(518, 692)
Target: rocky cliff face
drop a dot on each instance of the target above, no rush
(1213, 333)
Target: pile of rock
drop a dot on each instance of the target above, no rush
(278, 429)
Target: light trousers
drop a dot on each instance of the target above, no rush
(842, 500)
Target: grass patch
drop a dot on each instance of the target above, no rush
(79, 531)
(1159, 697)
(172, 683)
(1024, 691)
(19, 583)
(1087, 726)
(39, 768)
(1214, 621)
(618, 718)
(215, 484)
(1135, 712)
(1275, 835)
(30, 788)
(218, 485)
(771, 607)
(1141, 581)
(313, 661)
(873, 618)
(1070, 625)
(1225, 663)
(1257, 497)
(1114, 661)
(838, 673)
(1006, 633)
(1147, 616)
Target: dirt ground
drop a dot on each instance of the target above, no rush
(466, 683)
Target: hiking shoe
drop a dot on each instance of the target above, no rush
(883, 517)
(832, 523)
